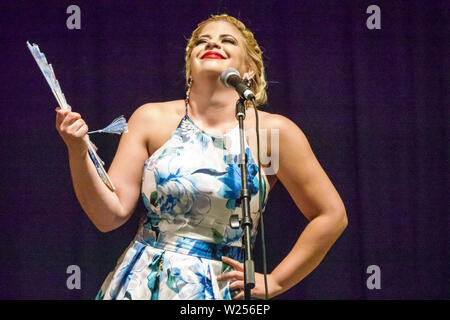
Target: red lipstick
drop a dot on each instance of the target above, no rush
(212, 55)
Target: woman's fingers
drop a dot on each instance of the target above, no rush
(236, 277)
(237, 290)
(71, 118)
(231, 275)
(237, 285)
(78, 128)
(239, 296)
(72, 129)
(234, 263)
(236, 274)
(65, 119)
(70, 124)
(60, 115)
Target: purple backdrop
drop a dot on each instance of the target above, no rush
(374, 105)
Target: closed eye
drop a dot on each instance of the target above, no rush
(229, 40)
(200, 41)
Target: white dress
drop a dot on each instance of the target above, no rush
(190, 188)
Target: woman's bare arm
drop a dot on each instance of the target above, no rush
(318, 200)
(316, 197)
(107, 209)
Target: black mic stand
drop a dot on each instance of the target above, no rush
(246, 221)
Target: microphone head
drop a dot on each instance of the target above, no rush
(225, 76)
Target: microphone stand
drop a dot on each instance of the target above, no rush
(246, 221)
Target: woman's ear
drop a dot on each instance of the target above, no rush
(248, 75)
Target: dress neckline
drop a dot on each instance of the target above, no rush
(229, 132)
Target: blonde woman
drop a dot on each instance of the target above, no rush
(180, 157)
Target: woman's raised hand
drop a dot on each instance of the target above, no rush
(72, 129)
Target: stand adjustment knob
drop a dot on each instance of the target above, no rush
(235, 222)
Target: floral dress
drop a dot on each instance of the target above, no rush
(190, 188)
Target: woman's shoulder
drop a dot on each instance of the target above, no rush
(270, 120)
(158, 115)
(165, 109)
(156, 121)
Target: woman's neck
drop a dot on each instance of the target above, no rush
(211, 103)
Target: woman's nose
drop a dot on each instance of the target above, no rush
(212, 43)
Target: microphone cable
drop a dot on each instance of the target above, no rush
(263, 244)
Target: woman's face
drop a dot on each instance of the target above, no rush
(219, 46)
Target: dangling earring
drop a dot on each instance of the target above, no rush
(248, 78)
(188, 90)
(248, 82)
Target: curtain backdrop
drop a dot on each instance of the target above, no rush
(374, 105)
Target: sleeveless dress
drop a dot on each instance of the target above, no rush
(190, 188)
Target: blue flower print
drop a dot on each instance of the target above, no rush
(232, 180)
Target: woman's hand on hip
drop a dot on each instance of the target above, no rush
(237, 281)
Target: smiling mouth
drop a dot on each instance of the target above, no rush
(213, 56)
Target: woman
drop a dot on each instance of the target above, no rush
(184, 248)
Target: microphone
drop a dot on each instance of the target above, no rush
(230, 77)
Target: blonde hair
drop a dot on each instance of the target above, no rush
(258, 83)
